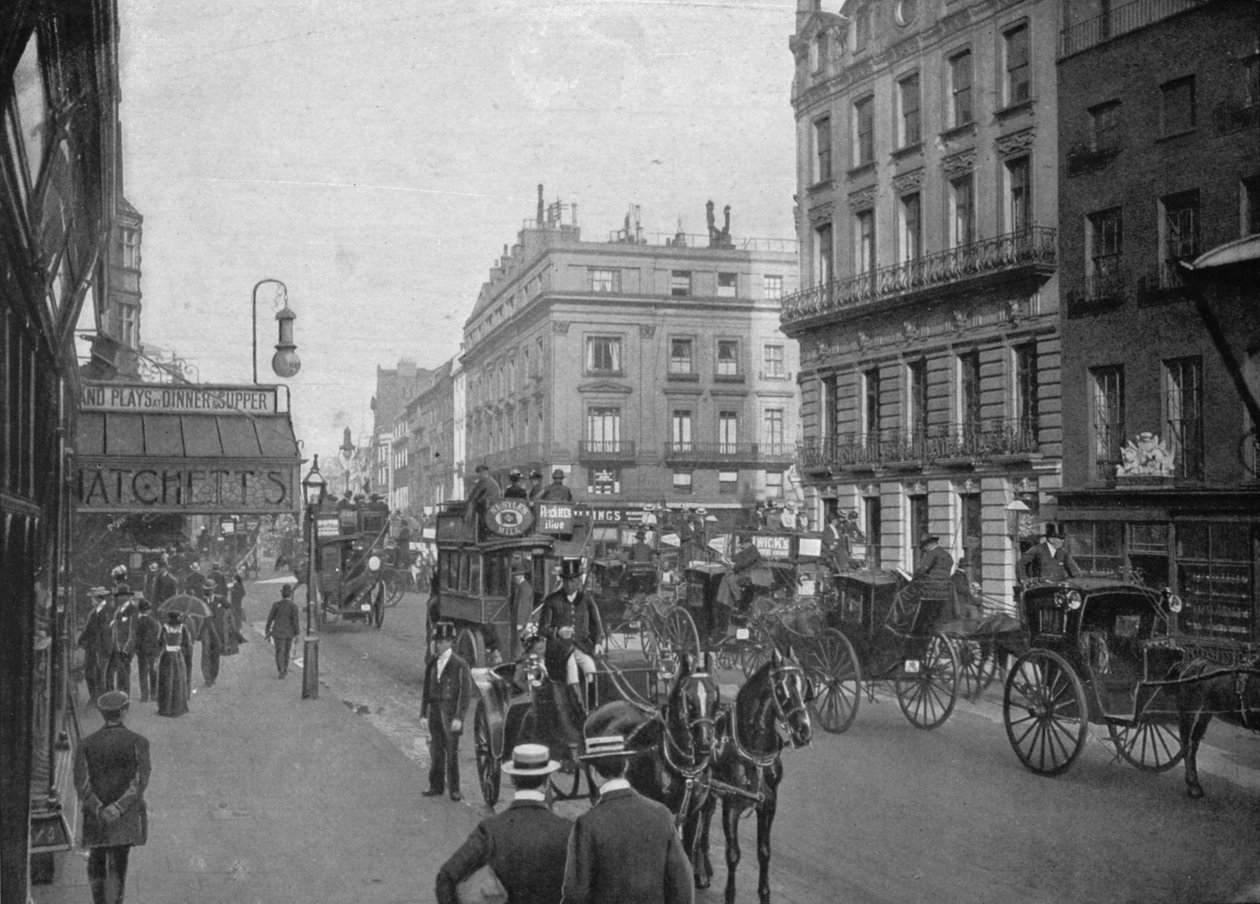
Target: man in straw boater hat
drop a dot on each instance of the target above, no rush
(111, 771)
(525, 844)
(443, 702)
(624, 848)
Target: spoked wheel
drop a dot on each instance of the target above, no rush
(833, 667)
(1150, 746)
(1044, 708)
(679, 636)
(977, 666)
(395, 586)
(927, 696)
(754, 653)
(470, 647)
(489, 769)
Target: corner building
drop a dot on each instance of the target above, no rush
(645, 367)
(928, 313)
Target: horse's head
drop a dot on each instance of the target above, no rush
(790, 691)
(692, 710)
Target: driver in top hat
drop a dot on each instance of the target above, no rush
(1048, 560)
(571, 625)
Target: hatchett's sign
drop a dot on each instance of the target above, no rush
(176, 487)
(152, 398)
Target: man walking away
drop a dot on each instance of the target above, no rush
(148, 649)
(111, 771)
(556, 491)
(524, 845)
(443, 703)
(282, 626)
(211, 640)
(126, 616)
(97, 642)
(624, 848)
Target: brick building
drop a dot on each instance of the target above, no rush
(432, 418)
(928, 313)
(388, 456)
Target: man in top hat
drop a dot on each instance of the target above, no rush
(556, 491)
(571, 626)
(624, 848)
(835, 543)
(525, 845)
(164, 584)
(443, 702)
(97, 642)
(514, 489)
(283, 624)
(124, 627)
(194, 581)
(1048, 560)
(935, 564)
(111, 771)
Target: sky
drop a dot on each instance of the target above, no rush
(376, 157)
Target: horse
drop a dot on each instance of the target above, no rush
(672, 744)
(770, 712)
(1206, 689)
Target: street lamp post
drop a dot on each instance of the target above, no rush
(284, 362)
(313, 492)
(347, 455)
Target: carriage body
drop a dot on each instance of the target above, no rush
(349, 558)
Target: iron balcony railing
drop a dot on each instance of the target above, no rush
(689, 452)
(1034, 246)
(606, 450)
(982, 440)
(1118, 21)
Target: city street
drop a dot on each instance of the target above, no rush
(889, 813)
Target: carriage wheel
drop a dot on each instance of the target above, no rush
(833, 667)
(678, 637)
(470, 647)
(489, 769)
(928, 697)
(753, 654)
(1043, 706)
(1150, 746)
(648, 643)
(977, 666)
(395, 586)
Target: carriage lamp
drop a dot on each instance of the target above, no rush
(1074, 599)
(1172, 601)
(313, 485)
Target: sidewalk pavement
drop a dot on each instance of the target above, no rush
(260, 797)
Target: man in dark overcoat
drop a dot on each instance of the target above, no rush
(556, 491)
(97, 641)
(571, 626)
(936, 564)
(148, 649)
(124, 626)
(111, 771)
(624, 848)
(1048, 560)
(164, 585)
(443, 702)
(514, 489)
(525, 844)
(282, 626)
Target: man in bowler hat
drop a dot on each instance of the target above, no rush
(282, 626)
(111, 771)
(556, 491)
(624, 848)
(525, 844)
(443, 702)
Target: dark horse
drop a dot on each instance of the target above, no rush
(770, 712)
(673, 745)
(1206, 689)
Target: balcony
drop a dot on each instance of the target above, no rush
(1163, 286)
(992, 440)
(1118, 21)
(1083, 158)
(526, 455)
(1029, 252)
(750, 454)
(606, 450)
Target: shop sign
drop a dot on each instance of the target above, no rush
(773, 547)
(180, 487)
(555, 517)
(508, 518)
(328, 527)
(150, 398)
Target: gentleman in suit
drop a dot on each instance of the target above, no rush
(1048, 560)
(571, 626)
(556, 491)
(522, 595)
(535, 489)
(525, 844)
(97, 642)
(443, 702)
(124, 628)
(282, 626)
(111, 771)
(193, 582)
(164, 584)
(514, 489)
(641, 553)
(485, 490)
(835, 543)
(148, 649)
(624, 848)
(936, 564)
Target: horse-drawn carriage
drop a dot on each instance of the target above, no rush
(349, 544)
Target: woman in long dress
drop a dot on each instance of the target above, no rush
(173, 667)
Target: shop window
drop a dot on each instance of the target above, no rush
(1214, 569)
(728, 481)
(682, 481)
(1096, 546)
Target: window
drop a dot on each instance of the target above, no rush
(827, 398)
(1018, 195)
(1016, 85)
(600, 280)
(680, 430)
(1025, 401)
(1096, 546)
(962, 204)
(1183, 414)
(909, 228)
(871, 409)
(824, 253)
(1105, 238)
(862, 29)
(1249, 205)
(774, 484)
(603, 355)
(864, 131)
(917, 381)
(772, 361)
(682, 481)
(1104, 127)
(728, 481)
(603, 481)
(917, 508)
(681, 360)
(822, 149)
(908, 120)
(728, 358)
(130, 247)
(772, 430)
(772, 286)
(129, 325)
(1108, 419)
(969, 394)
(864, 237)
(1176, 106)
(874, 523)
(972, 535)
(680, 282)
(728, 432)
(1180, 234)
(818, 52)
(603, 429)
(727, 283)
(960, 89)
